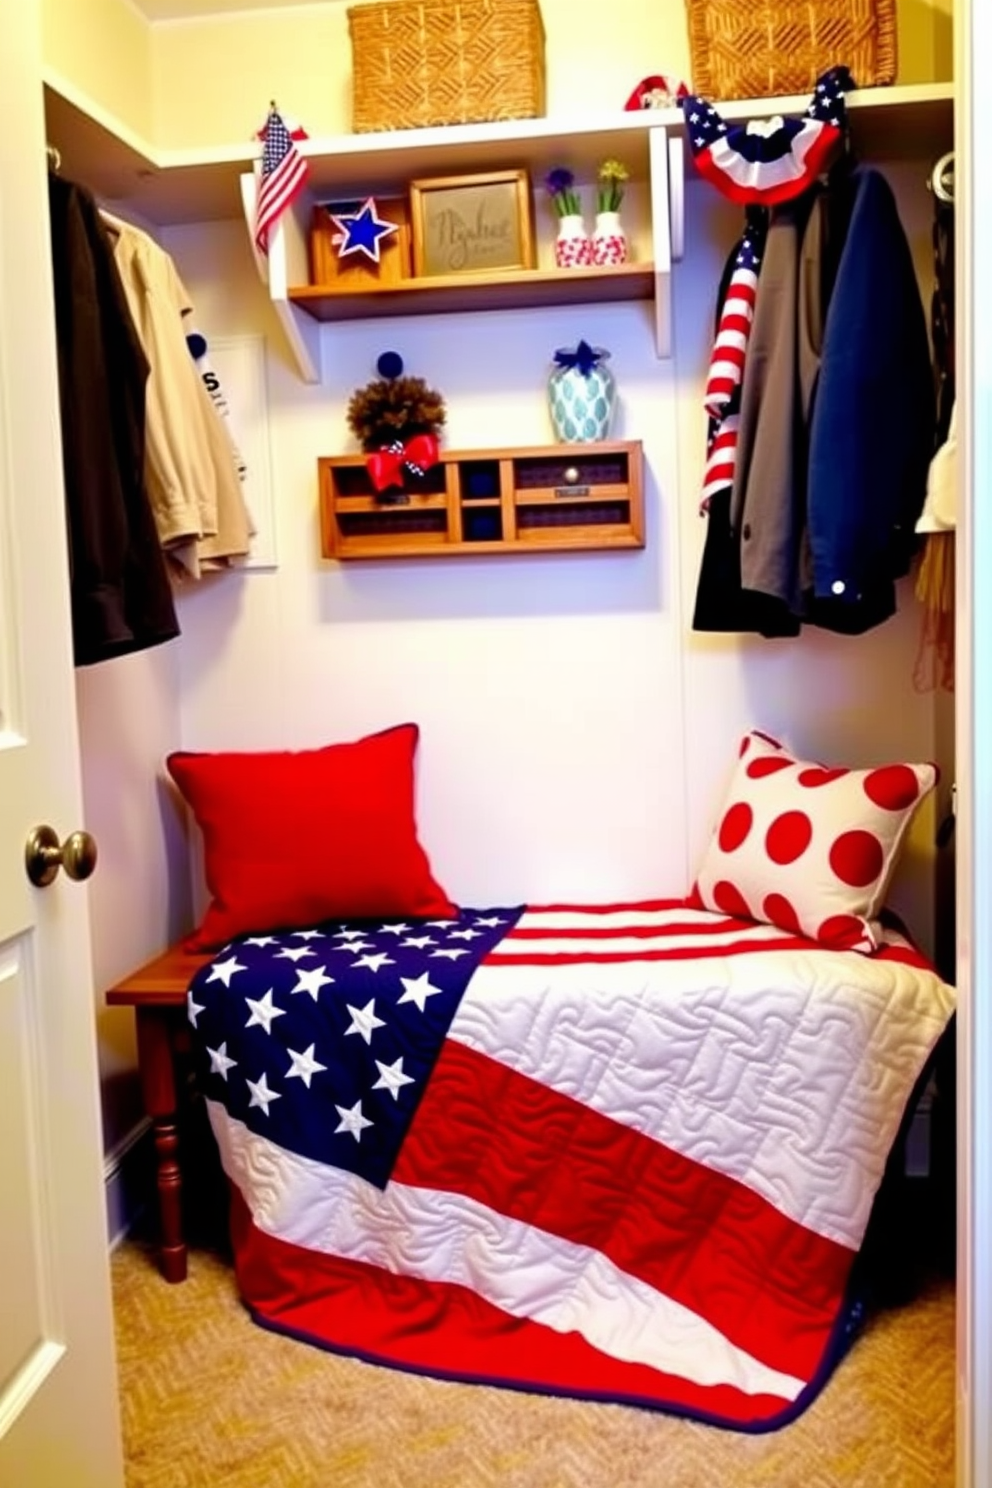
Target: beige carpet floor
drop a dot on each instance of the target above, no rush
(209, 1400)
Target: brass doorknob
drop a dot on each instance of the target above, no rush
(44, 855)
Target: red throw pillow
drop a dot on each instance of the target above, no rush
(809, 848)
(295, 837)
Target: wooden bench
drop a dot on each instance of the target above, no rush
(157, 992)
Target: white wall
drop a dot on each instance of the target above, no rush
(576, 732)
(139, 897)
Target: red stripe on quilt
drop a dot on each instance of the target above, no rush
(449, 1331)
(771, 1286)
(610, 932)
(501, 957)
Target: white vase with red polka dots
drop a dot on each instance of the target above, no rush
(609, 243)
(573, 246)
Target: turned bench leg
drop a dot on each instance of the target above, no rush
(155, 1028)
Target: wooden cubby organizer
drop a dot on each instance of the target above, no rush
(536, 500)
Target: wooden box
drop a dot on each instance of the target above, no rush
(356, 271)
(422, 62)
(537, 499)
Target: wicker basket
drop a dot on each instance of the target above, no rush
(421, 62)
(765, 48)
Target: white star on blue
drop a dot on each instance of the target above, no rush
(332, 1067)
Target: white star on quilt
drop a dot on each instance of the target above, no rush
(452, 953)
(391, 1077)
(309, 934)
(220, 1063)
(193, 1008)
(419, 941)
(312, 980)
(304, 1066)
(352, 1120)
(441, 924)
(348, 934)
(394, 929)
(375, 962)
(418, 989)
(363, 1020)
(260, 940)
(261, 1095)
(354, 946)
(465, 934)
(490, 920)
(263, 1011)
(295, 953)
(223, 971)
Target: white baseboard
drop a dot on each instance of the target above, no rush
(125, 1179)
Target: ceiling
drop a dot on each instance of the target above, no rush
(170, 10)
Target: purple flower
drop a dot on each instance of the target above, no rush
(559, 180)
(560, 184)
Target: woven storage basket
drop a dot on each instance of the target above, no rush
(764, 48)
(420, 62)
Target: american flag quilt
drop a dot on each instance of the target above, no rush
(622, 1152)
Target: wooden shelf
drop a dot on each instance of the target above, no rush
(516, 289)
(542, 498)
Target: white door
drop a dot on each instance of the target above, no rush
(58, 1390)
(973, 222)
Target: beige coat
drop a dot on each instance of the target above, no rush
(193, 484)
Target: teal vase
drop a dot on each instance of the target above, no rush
(582, 403)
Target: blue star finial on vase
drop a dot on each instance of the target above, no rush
(361, 231)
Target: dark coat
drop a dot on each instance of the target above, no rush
(873, 413)
(121, 597)
(852, 404)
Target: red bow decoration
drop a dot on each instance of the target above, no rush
(386, 465)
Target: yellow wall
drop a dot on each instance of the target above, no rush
(303, 59)
(925, 40)
(214, 77)
(208, 81)
(103, 48)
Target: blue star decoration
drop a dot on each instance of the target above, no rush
(362, 231)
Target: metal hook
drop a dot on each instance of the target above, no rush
(54, 158)
(941, 180)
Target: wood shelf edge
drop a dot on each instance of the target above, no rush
(517, 288)
(620, 541)
(517, 452)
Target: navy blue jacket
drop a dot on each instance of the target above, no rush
(872, 416)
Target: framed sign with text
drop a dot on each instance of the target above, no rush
(475, 224)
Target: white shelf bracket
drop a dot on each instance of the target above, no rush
(661, 219)
(676, 194)
(287, 263)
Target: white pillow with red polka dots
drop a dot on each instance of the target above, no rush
(807, 847)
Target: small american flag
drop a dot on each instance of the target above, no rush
(284, 172)
(730, 346)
